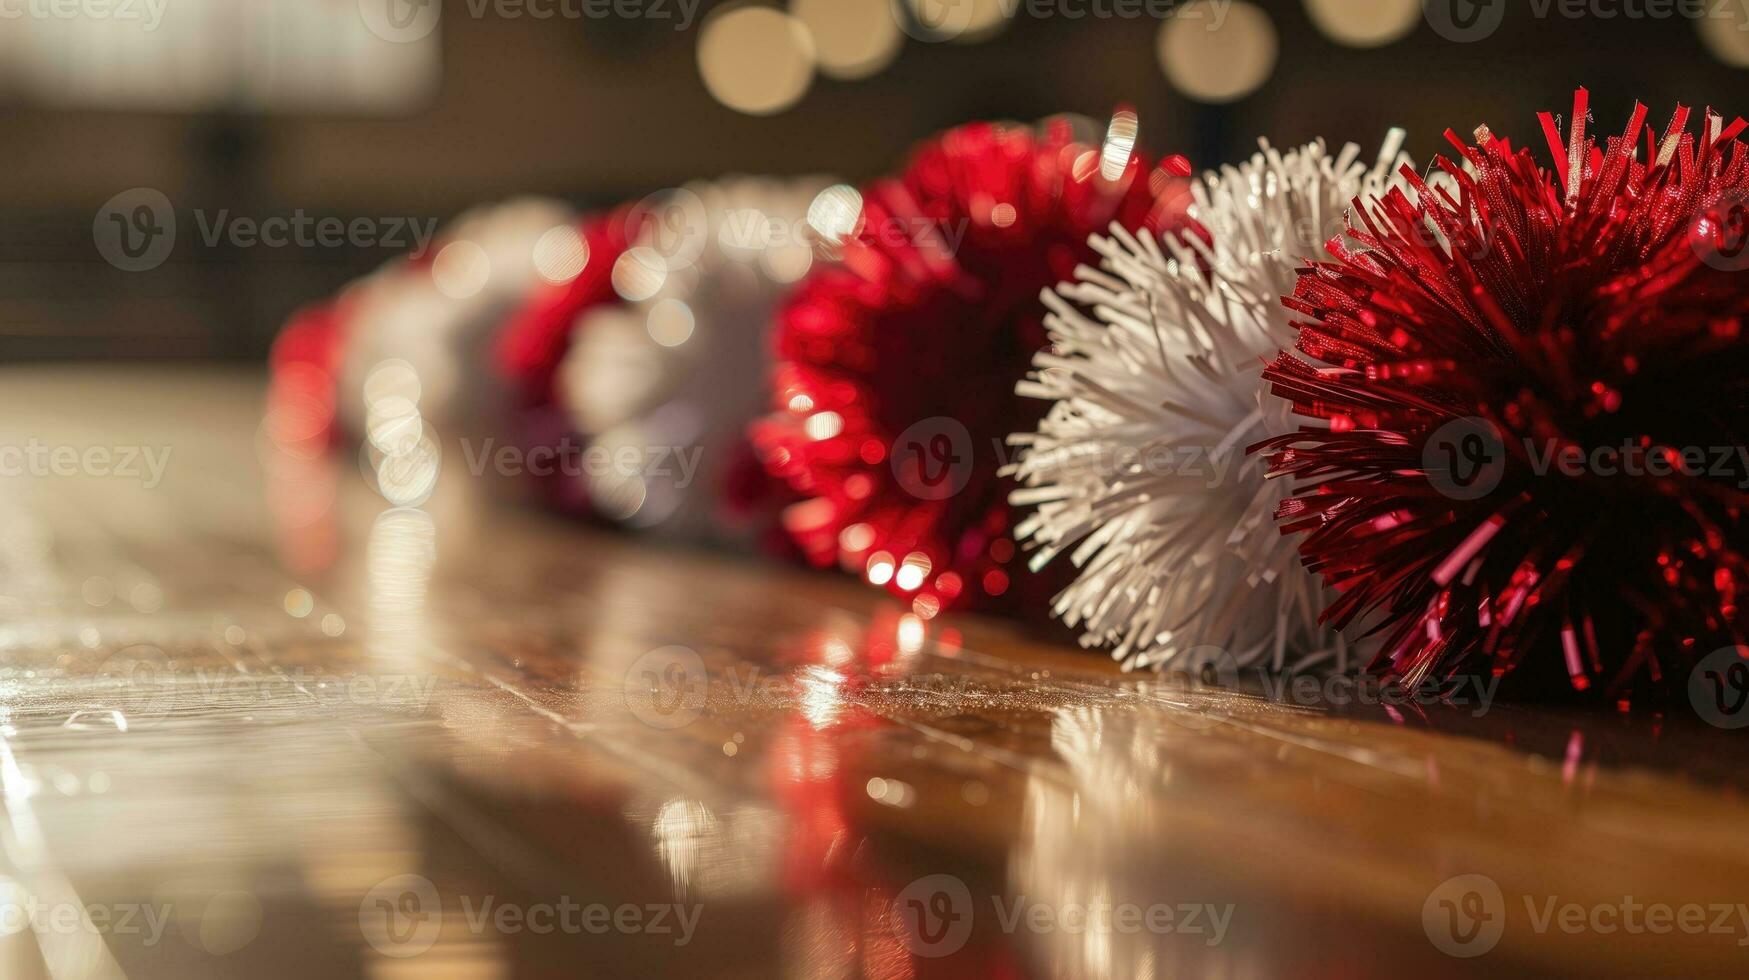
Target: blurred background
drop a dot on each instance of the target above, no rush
(405, 112)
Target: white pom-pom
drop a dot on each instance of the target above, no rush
(404, 313)
(1139, 470)
(670, 375)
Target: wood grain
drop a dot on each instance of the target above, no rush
(297, 727)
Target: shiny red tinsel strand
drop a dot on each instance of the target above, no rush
(1581, 307)
(919, 332)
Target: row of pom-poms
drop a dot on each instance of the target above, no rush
(1162, 295)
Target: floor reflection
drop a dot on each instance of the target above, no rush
(340, 735)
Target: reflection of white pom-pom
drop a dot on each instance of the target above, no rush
(1139, 471)
(665, 379)
(436, 315)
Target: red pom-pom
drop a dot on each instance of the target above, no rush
(535, 338)
(894, 391)
(1512, 366)
(533, 342)
(303, 371)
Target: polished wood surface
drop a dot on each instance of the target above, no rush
(256, 723)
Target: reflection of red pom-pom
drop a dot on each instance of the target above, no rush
(1510, 372)
(895, 385)
(302, 370)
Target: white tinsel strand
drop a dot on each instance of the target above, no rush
(1139, 470)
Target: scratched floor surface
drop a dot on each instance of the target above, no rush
(256, 723)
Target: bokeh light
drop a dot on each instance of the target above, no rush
(461, 270)
(670, 322)
(1212, 58)
(852, 38)
(391, 379)
(1120, 143)
(787, 262)
(560, 254)
(755, 60)
(394, 425)
(639, 273)
(836, 212)
(1725, 32)
(1364, 23)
